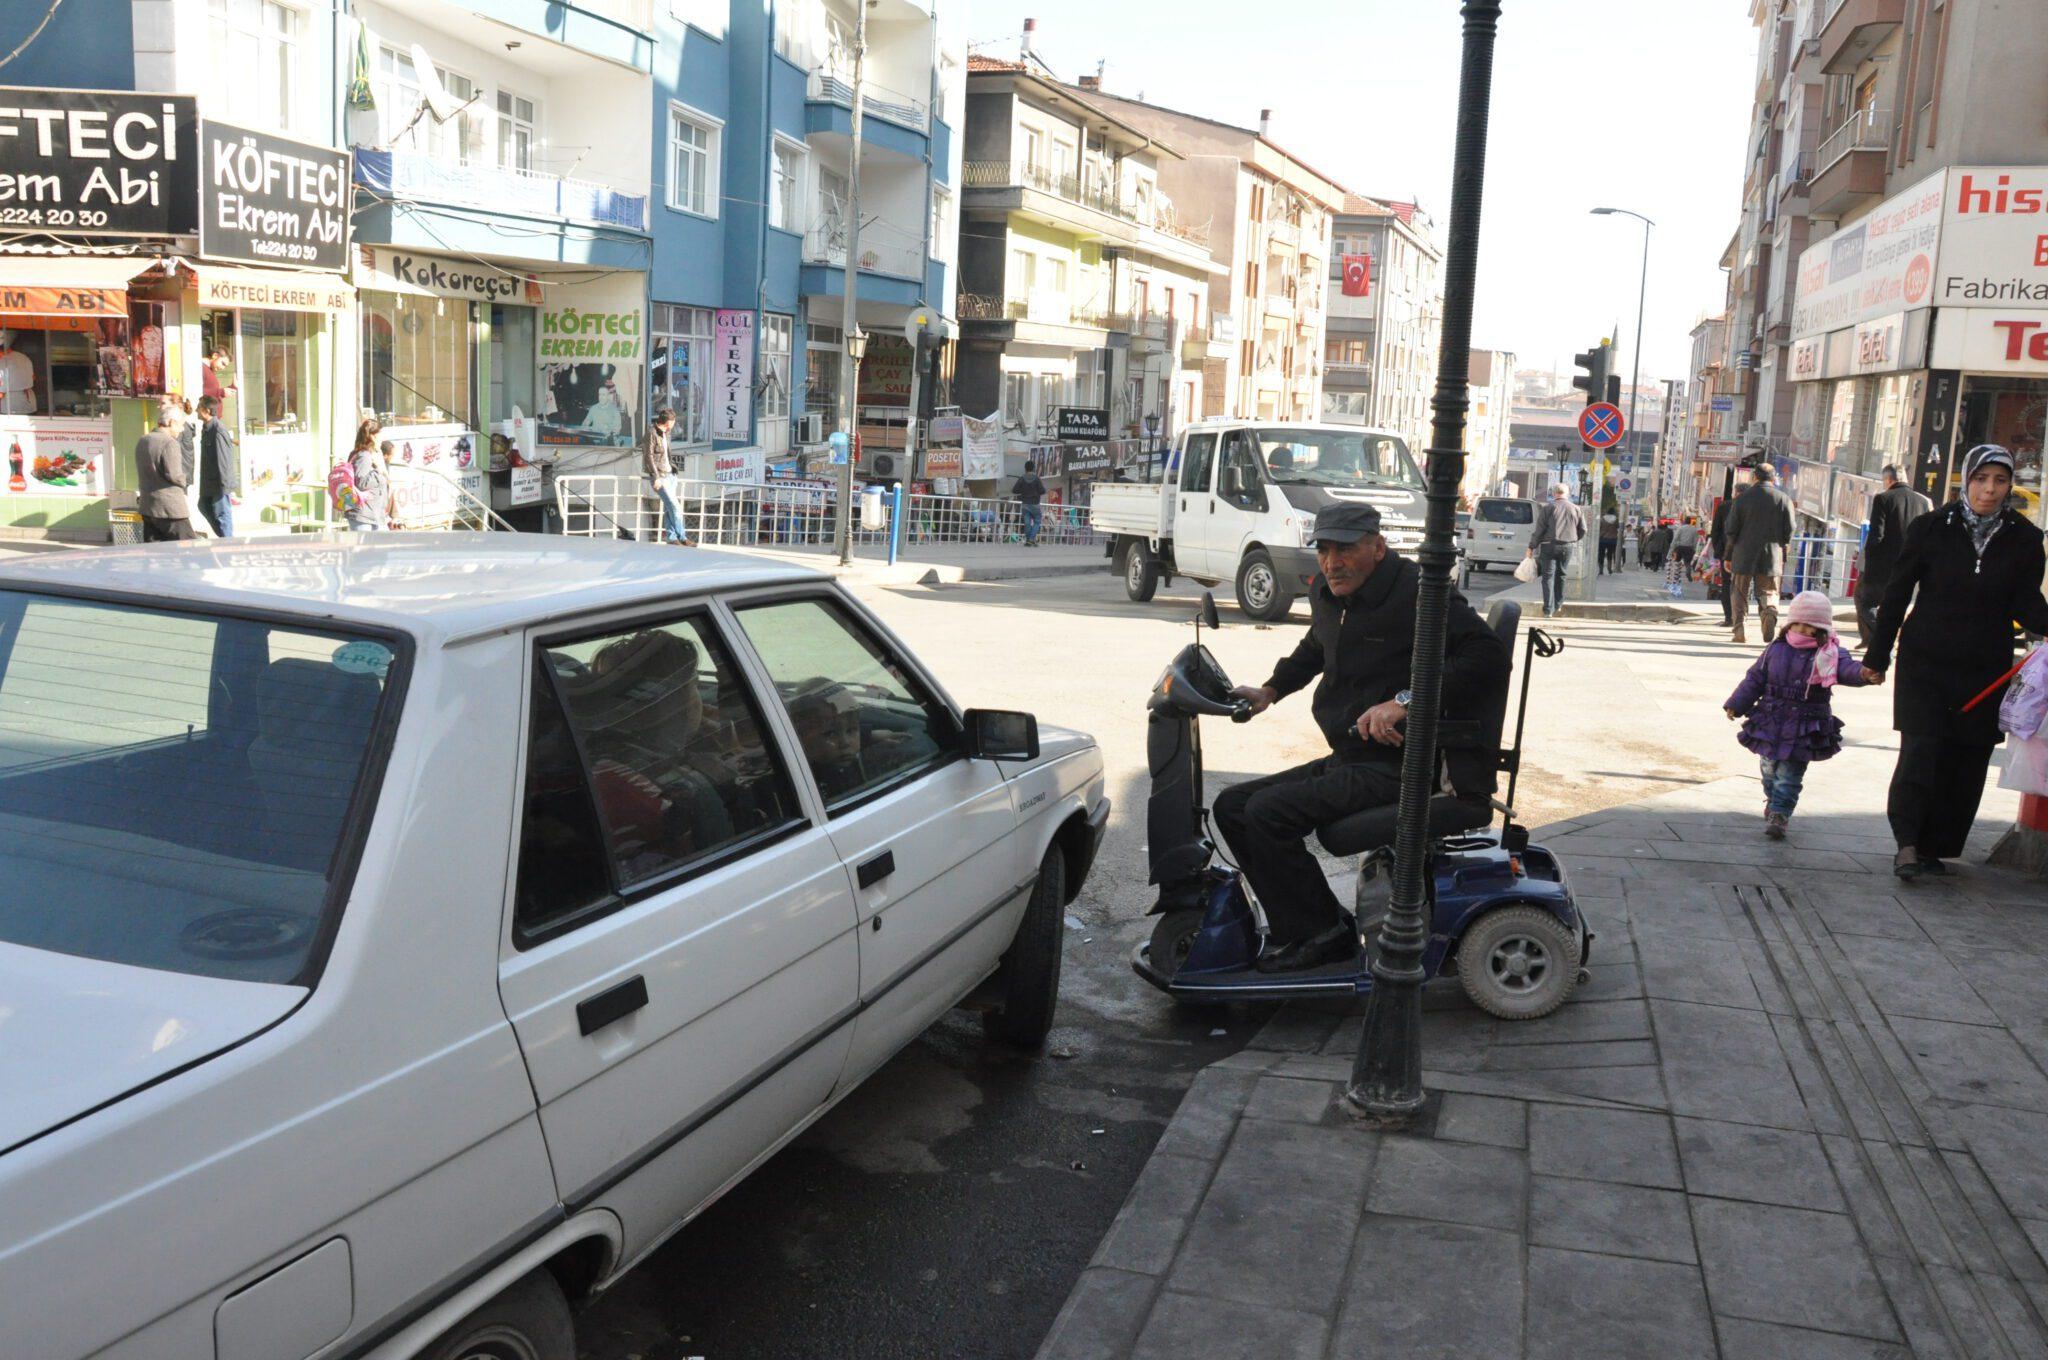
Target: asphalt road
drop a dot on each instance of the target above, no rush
(945, 1208)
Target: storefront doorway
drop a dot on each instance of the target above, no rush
(2012, 412)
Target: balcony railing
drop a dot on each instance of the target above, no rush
(1867, 130)
(1087, 191)
(1044, 308)
(401, 173)
(882, 251)
(832, 85)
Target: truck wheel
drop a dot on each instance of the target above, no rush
(1259, 591)
(1140, 571)
(529, 1320)
(1519, 963)
(1027, 982)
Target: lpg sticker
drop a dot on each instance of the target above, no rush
(363, 658)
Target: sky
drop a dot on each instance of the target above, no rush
(1640, 104)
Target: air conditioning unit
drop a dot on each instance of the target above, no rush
(810, 428)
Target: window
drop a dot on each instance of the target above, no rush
(824, 352)
(785, 201)
(1023, 273)
(399, 91)
(942, 224)
(176, 787)
(1331, 459)
(692, 161)
(1034, 149)
(771, 408)
(429, 340)
(1194, 473)
(1241, 465)
(864, 723)
(276, 368)
(256, 47)
(518, 116)
(652, 734)
(679, 372)
(1017, 401)
(1062, 156)
(1059, 275)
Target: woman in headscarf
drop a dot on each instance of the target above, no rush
(1968, 571)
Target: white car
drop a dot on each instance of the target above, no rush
(1499, 531)
(400, 936)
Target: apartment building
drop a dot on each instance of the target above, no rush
(1269, 218)
(1885, 255)
(1380, 353)
(1082, 288)
(1489, 422)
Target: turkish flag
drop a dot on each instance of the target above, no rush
(1358, 276)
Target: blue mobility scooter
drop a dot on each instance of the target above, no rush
(1501, 913)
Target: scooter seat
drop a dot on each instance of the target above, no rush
(1369, 830)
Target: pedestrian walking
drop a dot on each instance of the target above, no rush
(370, 464)
(1967, 571)
(160, 478)
(1030, 492)
(1786, 703)
(660, 472)
(1610, 542)
(1758, 529)
(1559, 527)
(1891, 511)
(1685, 544)
(1657, 547)
(1717, 545)
(220, 469)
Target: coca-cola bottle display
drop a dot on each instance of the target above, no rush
(15, 481)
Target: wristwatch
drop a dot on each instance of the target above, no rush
(1404, 697)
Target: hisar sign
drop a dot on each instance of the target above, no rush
(98, 163)
(265, 199)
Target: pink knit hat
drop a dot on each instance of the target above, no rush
(1812, 607)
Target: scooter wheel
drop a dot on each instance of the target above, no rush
(1172, 938)
(1519, 963)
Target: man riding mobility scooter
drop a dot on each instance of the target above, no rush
(1502, 915)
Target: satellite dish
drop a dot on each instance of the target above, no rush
(440, 103)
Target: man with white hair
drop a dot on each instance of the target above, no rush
(160, 478)
(1559, 527)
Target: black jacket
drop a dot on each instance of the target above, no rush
(1891, 511)
(1717, 531)
(1958, 638)
(1758, 527)
(1362, 648)
(219, 470)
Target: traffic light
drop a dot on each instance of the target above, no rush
(1597, 362)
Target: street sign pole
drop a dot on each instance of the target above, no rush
(1601, 427)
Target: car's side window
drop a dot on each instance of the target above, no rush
(671, 766)
(1194, 473)
(864, 722)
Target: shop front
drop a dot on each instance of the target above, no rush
(2000, 379)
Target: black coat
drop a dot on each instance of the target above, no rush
(1758, 527)
(1958, 637)
(1892, 510)
(220, 471)
(1362, 648)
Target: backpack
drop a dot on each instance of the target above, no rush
(341, 489)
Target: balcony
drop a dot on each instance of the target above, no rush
(883, 249)
(1200, 343)
(1795, 178)
(829, 84)
(1041, 308)
(1852, 162)
(1854, 29)
(397, 173)
(1092, 192)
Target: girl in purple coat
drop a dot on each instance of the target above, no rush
(1786, 698)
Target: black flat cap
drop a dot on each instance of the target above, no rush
(1346, 522)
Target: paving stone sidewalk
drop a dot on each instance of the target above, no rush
(1800, 1110)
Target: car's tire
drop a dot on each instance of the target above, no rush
(527, 1320)
(1140, 570)
(1519, 963)
(1260, 593)
(1027, 982)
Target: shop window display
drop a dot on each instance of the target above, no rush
(681, 365)
(64, 366)
(419, 359)
(2012, 412)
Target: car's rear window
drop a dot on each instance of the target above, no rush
(175, 787)
(1507, 512)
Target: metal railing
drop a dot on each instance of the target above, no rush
(1088, 192)
(466, 510)
(1867, 130)
(882, 250)
(831, 85)
(405, 173)
(1823, 562)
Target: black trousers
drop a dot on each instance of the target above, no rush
(165, 529)
(1608, 548)
(1935, 791)
(1266, 823)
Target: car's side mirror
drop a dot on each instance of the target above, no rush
(1210, 619)
(995, 734)
(1233, 482)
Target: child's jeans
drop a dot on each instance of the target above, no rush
(1782, 779)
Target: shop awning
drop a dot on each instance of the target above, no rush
(270, 290)
(67, 285)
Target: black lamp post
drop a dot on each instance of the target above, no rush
(1386, 1077)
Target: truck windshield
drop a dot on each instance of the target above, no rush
(1337, 458)
(176, 788)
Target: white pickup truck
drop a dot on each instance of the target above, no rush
(1237, 502)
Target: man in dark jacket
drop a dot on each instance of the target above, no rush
(1360, 643)
(1759, 528)
(1891, 510)
(220, 471)
(1717, 536)
(1029, 491)
(160, 480)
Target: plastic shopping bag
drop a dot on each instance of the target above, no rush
(2026, 766)
(1525, 570)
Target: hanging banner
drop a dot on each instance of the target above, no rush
(55, 457)
(265, 199)
(99, 163)
(732, 368)
(982, 447)
(885, 372)
(591, 361)
(431, 466)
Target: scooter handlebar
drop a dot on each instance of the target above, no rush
(1241, 711)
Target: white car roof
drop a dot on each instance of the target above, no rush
(439, 586)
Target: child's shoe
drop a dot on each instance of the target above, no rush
(1774, 825)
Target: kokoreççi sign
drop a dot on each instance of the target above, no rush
(1083, 423)
(265, 199)
(98, 162)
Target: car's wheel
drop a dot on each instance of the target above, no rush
(529, 1320)
(1027, 983)
(1259, 591)
(1140, 571)
(1519, 963)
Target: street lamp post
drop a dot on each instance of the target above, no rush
(849, 370)
(1386, 1076)
(1635, 381)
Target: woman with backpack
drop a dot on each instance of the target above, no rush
(362, 486)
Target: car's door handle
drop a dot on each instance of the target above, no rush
(873, 871)
(611, 1005)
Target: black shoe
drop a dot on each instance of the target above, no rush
(1907, 865)
(1334, 945)
(1930, 865)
